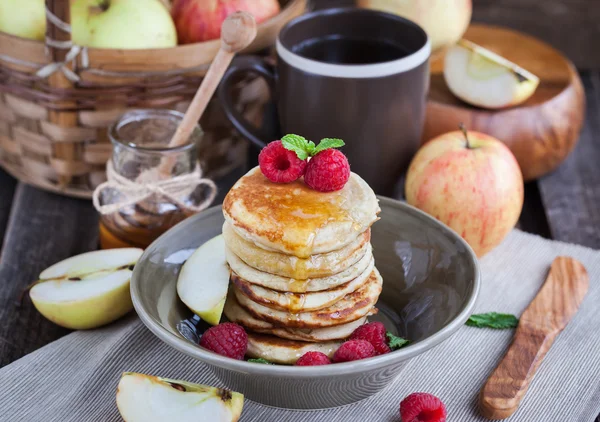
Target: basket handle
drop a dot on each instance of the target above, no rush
(62, 10)
(55, 35)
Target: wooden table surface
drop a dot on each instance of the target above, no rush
(38, 228)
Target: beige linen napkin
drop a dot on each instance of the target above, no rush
(74, 378)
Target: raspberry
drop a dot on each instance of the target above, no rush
(422, 407)
(226, 339)
(374, 333)
(327, 171)
(280, 165)
(354, 350)
(313, 359)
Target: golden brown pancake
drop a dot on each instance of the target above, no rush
(294, 219)
(352, 307)
(235, 313)
(286, 284)
(299, 302)
(283, 351)
(277, 263)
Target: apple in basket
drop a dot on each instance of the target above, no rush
(200, 20)
(125, 24)
(23, 18)
(471, 182)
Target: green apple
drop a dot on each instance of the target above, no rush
(125, 24)
(145, 398)
(484, 79)
(204, 279)
(23, 18)
(87, 290)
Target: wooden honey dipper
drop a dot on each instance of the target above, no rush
(237, 32)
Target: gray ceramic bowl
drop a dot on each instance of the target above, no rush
(431, 281)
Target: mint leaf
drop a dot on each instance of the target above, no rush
(493, 320)
(298, 144)
(326, 144)
(396, 342)
(260, 360)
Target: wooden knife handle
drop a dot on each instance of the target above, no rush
(545, 317)
(507, 385)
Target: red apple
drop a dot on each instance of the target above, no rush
(471, 182)
(200, 20)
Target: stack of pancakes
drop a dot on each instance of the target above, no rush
(302, 271)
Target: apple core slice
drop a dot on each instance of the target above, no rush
(87, 290)
(145, 398)
(204, 279)
(484, 79)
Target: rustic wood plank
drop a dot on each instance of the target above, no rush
(533, 217)
(571, 194)
(43, 228)
(7, 189)
(569, 25)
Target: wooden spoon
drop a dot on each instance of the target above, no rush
(545, 317)
(237, 32)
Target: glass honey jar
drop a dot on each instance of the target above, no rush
(151, 186)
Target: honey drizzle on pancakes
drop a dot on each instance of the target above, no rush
(290, 208)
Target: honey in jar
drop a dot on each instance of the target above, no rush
(140, 146)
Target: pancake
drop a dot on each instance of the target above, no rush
(282, 351)
(296, 220)
(235, 313)
(286, 284)
(277, 263)
(352, 307)
(297, 302)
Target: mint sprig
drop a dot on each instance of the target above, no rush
(260, 360)
(305, 148)
(396, 342)
(493, 320)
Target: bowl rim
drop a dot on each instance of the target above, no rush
(347, 368)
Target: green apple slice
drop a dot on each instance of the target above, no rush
(485, 79)
(87, 290)
(145, 398)
(204, 279)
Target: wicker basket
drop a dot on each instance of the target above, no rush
(54, 119)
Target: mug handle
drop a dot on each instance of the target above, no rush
(239, 65)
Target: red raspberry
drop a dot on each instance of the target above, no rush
(354, 350)
(422, 407)
(374, 333)
(313, 359)
(327, 171)
(280, 165)
(226, 339)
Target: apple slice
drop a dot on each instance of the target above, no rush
(87, 290)
(484, 79)
(204, 279)
(145, 398)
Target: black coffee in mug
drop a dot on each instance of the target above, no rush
(349, 50)
(356, 74)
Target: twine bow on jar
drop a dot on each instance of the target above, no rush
(130, 192)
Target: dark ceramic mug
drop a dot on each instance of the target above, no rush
(355, 74)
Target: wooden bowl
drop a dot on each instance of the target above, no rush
(540, 132)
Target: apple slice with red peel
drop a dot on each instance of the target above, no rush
(146, 398)
(204, 279)
(484, 79)
(87, 290)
